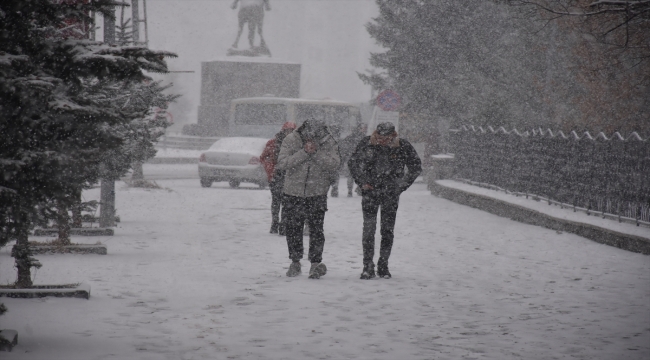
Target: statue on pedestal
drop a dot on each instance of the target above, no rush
(251, 12)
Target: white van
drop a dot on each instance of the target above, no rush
(263, 116)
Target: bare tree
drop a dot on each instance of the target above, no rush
(619, 24)
(610, 45)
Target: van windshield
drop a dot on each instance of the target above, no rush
(260, 114)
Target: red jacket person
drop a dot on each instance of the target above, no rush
(269, 159)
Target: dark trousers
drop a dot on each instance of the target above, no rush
(335, 183)
(350, 184)
(371, 202)
(276, 203)
(296, 212)
(350, 181)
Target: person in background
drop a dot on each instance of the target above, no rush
(431, 146)
(335, 131)
(308, 155)
(377, 166)
(347, 146)
(269, 159)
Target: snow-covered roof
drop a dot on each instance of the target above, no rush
(277, 100)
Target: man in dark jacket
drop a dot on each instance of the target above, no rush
(377, 166)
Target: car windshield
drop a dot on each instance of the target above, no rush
(240, 144)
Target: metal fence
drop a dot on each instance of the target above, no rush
(608, 176)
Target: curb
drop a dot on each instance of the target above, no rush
(69, 249)
(76, 232)
(518, 213)
(39, 291)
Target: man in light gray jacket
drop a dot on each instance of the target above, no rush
(310, 157)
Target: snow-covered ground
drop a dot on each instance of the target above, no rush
(157, 172)
(192, 273)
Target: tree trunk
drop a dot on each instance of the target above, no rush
(107, 203)
(138, 172)
(22, 256)
(63, 222)
(76, 211)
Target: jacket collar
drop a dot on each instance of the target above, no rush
(373, 140)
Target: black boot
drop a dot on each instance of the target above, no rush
(382, 269)
(274, 228)
(281, 229)
(368, 271)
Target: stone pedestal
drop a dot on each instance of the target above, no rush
(239, 77)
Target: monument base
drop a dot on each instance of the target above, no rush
(235, 77)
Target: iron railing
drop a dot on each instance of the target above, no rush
(608, 176)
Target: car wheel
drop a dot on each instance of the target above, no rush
(206, 182)
(233, 183)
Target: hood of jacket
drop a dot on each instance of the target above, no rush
(308, 175)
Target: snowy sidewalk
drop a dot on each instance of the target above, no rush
(624, 235)
(192, 273)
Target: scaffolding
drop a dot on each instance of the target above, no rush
(136, 20)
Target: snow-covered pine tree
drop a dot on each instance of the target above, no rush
(145, 102)
(53, 133)
(148, 98)
(446, 60)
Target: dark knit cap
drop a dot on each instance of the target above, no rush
(385, 128)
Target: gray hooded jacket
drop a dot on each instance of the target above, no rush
(308, 175)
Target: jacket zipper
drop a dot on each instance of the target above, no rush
(304, 192)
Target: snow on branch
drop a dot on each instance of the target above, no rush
(43, 83)
(117, 61)
(8, 59)
(584, 8)
(6, 189)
